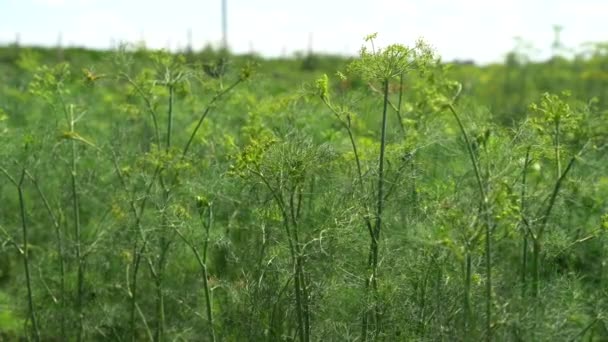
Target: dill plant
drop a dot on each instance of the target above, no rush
(377, 65)
(554, 118)
(283, 169)
(50, 85)
(386, 240)
(166, 166)
(24, 248)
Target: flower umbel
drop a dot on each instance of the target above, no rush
(392, 61)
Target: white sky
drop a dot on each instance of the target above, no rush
(482, 30)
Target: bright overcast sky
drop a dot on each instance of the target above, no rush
(482, 30)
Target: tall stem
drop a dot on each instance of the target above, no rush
(558, 164)
(380, 199)
(524, 266)
(149, 104)
(133, 288)
(300, 272)
(170, 116)
(206, 275)
(488, 222)
(543, 224)
(26, 260)
(77, 232)
(210, 105)
(202, 262)
(379, 208)
(163, 243)
(138, 234)
(347, 125)
(60, 254)
(536, 267)
(295, 254)
(467, 295)
(399, 101)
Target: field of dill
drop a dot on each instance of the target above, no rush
(391, 197)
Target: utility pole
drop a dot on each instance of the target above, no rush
(557, 45)
(17, 42)
(310, 43)
(224, 25)
(60, 46)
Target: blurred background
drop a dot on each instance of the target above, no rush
(466, 30)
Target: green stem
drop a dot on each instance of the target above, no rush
(149, 104)
(26, 260)
(133, 289)
(77, 233)
(488, 223)
(552, 199)
(300, 272)
(60, 253)
(379, 209)
(467, 296)
(380, 198)
(524, 266)
(537, 239)
(206, 275)
(137, 251)
(276, 327)
(347, 125)
(399, 101)
(205, 113)
(202, 262)
(164, 243)
(536, 250)
(558, 164)
(24, 251)
(160, 308)
(170, 116)
(294, 251)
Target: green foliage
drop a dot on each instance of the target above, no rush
(215, 197)
(392, 61)
(10, 323)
